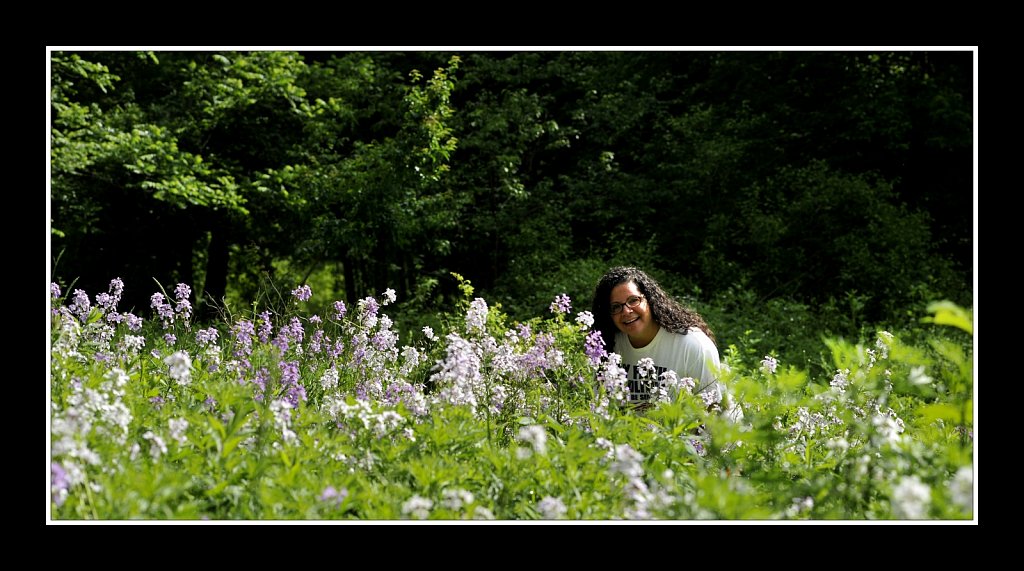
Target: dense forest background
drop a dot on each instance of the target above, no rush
(824, 188)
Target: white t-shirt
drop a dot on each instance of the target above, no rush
(692, 355)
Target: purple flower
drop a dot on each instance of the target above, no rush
(265, 327)
(371, 306)
(54, 290)
(289, 372)
(332, 495)
(206, 336)
(295, 330)
(108, 301)
(339, 309)
(536, 358)
(59, 483)
(170, 338)
(210, 402)
(182, 291)
(184, 309)
(698, 446)
(281, 342)
(157, 402)
(459, 373)
(302, 293)
(116, 287)
(595, 347)
(384, 340)
(368, 307)
(337, 349)
(358, 352)
(964, 431)
(562, 304)
(81, 304)
(316, 341)
(105, 301)
(294, 394)
(243, 332)
(134, 323)
(163, 309)
(402, 392)
(260, 380)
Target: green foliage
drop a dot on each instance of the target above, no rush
(838, 181)
(948, 313)
(87, 136)
(886, 433)
(871, 239)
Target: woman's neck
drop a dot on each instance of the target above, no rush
(645, 337)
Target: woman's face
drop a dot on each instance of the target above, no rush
(636, 322)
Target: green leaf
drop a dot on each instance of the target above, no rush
(949, 313)
(948, 412)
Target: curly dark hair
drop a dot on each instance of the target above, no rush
(666, 311)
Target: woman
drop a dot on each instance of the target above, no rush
(638, 320)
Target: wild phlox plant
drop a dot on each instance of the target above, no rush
(267, 415)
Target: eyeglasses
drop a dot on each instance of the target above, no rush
(631, 302)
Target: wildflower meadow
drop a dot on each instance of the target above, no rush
(286, 414)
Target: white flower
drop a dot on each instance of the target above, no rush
(961, 488)
(180, 365)
(410, 359)
(628, 462)
(614, 379)
(476, 315)
(177, 427)
(417, 507)
(551, 508)
(882, 343)
(536, 437)
(769, 364)
(389, 296)
(645, 367)
(281, 409)
(157, 446)
(329, 379)
(711, 395)
(133, 343)
(799, 506)
(918, 376)
(429, 333)
(606, 445)
(839, 444)
(454, 499)
(585, 319)
(910, 498)
(482, 513)
(888, 428)
(840, 380)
